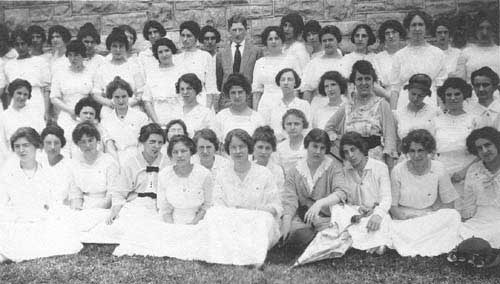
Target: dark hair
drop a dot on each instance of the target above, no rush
(188, 142)
(240, 134)
(317, 135)
(173, 122)
(86, 30)
(211, 29)
(334, 76)
(391, 24)
(62, 31)
(164, 42)
(456, 83)
(18, 83)
(296, 21)
(333, 30)
(355, 139)
(36, 29)
(118, 83)
(312, 26)
(419, 136)
(364, 67)
(298, 113)
(148, 129)
(488, 133)
(153, 24)
(237, 79)
(265, 34)
(283, 71)
(445, 22)
(117, 35)
(486, 72)
(192, 80)
(266, 134)
(129, 29)
(88, 102)
(371, 36)
(55, 130)
(23, 34)
(85, 128)
(412, 14)
(238, 18)
(29, 133)
(77, 47)
(207, 134)
(491, 17)
(191, 26)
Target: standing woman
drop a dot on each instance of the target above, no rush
(238, 114)
(422, 197)
(329, 37)
(151, 32)
(367, 115)
(195, 115)
(265, 91)
(482, 188)
(71, 84)
(197, 61)
(332, 85)
(291, 150)
(58, 37)
(264, 145)
(35, 70)
(207, 149)
(28, 227)
(292, 26)
(89, 36)
(161, 100)
(362, 37)
(132, 38)
(119, 65)
(408, 60)
(310, 36)
(123, 123)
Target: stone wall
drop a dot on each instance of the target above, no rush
(261, 13)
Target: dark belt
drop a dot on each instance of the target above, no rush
(147, 194)
(373, 141)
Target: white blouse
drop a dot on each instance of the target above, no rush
(226, 121)
(316, 68)
(124, 131)
(198, 118)
(287, 157)
(408, 120)
(273, 115)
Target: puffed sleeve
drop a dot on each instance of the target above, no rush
(469, 198)
(289, 197)
(388, 129)
(208, 188)
(385, 190)
(396, 185)
(335, 125)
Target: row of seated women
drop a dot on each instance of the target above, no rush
(198, 205)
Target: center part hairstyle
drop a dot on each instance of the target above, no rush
(488, 133)
(149, 129)
(85, 128)
(455, 83)
(237, 79)
(317, 135)
(419, 136)
(117, 35)
(118, 83)
(355, 139)
(296, 21)
(192, 80)
(207, 134)
(188, 142)
(153, 24)
(240, 134)
(55, 130)
(29, 133)
(19, 83)
(265, 134)
(363, 67)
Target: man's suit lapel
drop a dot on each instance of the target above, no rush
(228, 59)
(247, 53)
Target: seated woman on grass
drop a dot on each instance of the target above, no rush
(311, 186)
(422, 197)
(264, 145)
(207, 147)
(482, 187)
(291, 150)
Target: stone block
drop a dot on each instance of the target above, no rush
(188, 5)
(369, 6)
(215, 15)
(16, 17)
(375, 20)
(62, 10)
(41, 13)
(211, 3)
(308, 9)
(256, 26)
(477, 5)
(440, 7)
(135, 20)
(346, 27)
(404, 4)
(73, 23)
(93, 7)
(163, 13)
(250, 11)
(22, 4)
(131, 6)
(261, 2)
(339, 10)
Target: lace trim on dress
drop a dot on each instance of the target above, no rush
(303, 170)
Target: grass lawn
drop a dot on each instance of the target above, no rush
(96, 264)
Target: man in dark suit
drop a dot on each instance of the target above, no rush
(238, 57)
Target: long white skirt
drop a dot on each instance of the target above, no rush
(429, 235)
(24, 239)
(91, 225)
(485, 224)
(362, 239)
(225, 235)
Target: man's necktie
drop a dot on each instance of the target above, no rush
(237, 59)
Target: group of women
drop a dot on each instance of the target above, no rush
(138, 156)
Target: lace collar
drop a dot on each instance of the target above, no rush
(304, 171)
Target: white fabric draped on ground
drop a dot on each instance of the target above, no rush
(485, 224)
(225, 235)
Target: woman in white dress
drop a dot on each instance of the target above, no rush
(122, 124)
(120, 64)
(292, 25)
(152, 31)
(35, 70)
(310, 35)
(289, 81)
(264, 145)
(195, 115)
(362, 37)
(332, 86)
(18, 114)
(408, 60)
(443, 31)
(207, 149)
(28, 227)
(91, 38)
(265, 90)
(132, 38)
(161, 100)
(422, 200)
(417, 114)
(238, 114)
(330, 37)
(58, 37)
(481, 210)
(70, 84)
(291, 150)
(197, 61)
(94, 177)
